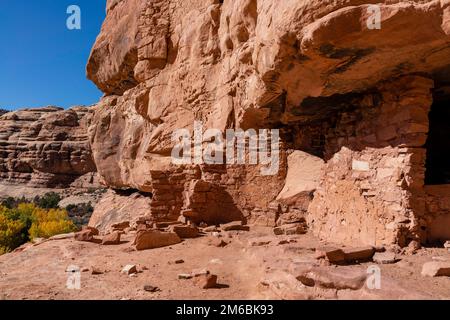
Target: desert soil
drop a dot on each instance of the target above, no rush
(254, 265)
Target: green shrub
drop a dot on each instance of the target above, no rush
(12, 202)
(81, 209)
(80, 213)
(9, 202)
(49, 200)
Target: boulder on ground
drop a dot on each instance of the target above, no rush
(436, 269)
(96, 271)
(345, 255)
(129, 269)
(86, 235)
(151, 239)
(121, 225)
(339, 278)
(150, 288)
(206, 281)
(94, 231)
(234, 225)
(358, 254)
(290, 229)
(333, 255)
(385, 257)
(184, 231)
(216, 242)
(111, 239)
(210, 229)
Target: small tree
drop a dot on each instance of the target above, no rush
(47, 223)
(49, 200)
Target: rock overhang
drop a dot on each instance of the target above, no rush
(251, 64)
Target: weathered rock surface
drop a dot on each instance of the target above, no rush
(111, 239)
(185, 232)
(340, 278)
(129, 269)
(85, 235)
(116, 207)
(197, 52)
(245, 272)
(206, 281)
(47, 147)
(436, 269)
(216, 242)
(333, 255)
(345, 255)
(302, 179)
(155, 239)
(358, 254)
(385, 257)
(93, 230)
(234, 226)
(290, 229)
(313, 69)
(352, 104)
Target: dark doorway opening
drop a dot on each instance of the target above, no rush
(438, 142)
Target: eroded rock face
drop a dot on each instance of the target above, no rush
(46, 147)
(244, 56)
(293, 65)
(119, 207)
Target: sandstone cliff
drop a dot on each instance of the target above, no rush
(46, 147)
(355, 96)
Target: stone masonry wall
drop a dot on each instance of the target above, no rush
(438, 212)
(217, 193)
(372, 190)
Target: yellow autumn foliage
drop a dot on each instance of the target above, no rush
(10, 233)
(27, 221)
(47, 223)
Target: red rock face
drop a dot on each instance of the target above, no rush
(45, 147)
(336, 88)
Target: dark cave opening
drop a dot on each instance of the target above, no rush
(438, 142)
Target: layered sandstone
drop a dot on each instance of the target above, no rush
(355, 96)
(46, 147)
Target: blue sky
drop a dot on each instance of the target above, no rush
(41, 61)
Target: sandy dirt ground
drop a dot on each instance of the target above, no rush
(254, 265)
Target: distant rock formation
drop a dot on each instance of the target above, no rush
(46, 147)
